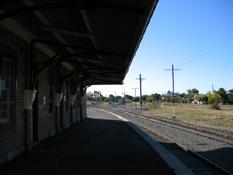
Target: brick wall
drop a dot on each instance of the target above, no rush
(12, 134)
(15, 137)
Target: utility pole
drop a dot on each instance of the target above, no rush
(135, 90)
(140, 82)
(173, 87)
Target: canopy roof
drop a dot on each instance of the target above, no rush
(96, 39)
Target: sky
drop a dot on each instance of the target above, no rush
(195, 36)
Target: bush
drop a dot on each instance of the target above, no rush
(150, 99)
(214, 99)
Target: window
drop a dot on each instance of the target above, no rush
(51, 95)
(7, 89)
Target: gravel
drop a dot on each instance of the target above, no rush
(216, 151)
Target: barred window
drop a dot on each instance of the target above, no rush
(7, 89)
(51, 95)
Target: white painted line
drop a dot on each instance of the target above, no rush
(115, 115)
(174, 163)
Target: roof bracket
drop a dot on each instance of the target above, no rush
(83, 5)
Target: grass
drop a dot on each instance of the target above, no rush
(194, 113)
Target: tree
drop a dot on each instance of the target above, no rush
(230, 96)
(111, 98)
(156, 96)
(222, 92)
(191, 94)
(193, 91)
(136, 99)
(117, 98)
(185, 98)
(144, 97)
(150, 99)
(98, 96)
(128, 97)
(105, 99)
(90, 96)
(178, 99)
(214, 100)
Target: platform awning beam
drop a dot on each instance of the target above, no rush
(91, 5)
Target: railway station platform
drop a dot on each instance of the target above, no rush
(101, 145)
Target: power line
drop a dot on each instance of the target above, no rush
(207, 51)
(173, 87)
(140, 82)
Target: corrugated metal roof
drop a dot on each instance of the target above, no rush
(99, 37)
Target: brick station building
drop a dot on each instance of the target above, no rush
(51, 51)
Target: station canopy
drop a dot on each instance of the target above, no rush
(96, 39)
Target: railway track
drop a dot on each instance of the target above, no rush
(213, 133)
(198, 163)
(203, 131)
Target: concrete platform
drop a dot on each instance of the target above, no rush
(100, 145)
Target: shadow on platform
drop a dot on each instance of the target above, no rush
(95, 146)
(222, 157)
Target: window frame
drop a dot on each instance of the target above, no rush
(11, 94)
(51, 91)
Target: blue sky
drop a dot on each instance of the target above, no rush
(194, 35)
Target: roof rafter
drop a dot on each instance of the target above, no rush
(98, 51)
(83, 5)
(68, 32)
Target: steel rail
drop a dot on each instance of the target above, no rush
(189, 127)
(185, 148)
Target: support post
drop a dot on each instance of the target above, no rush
(135, 91)
(173, 87)
(140, 83)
